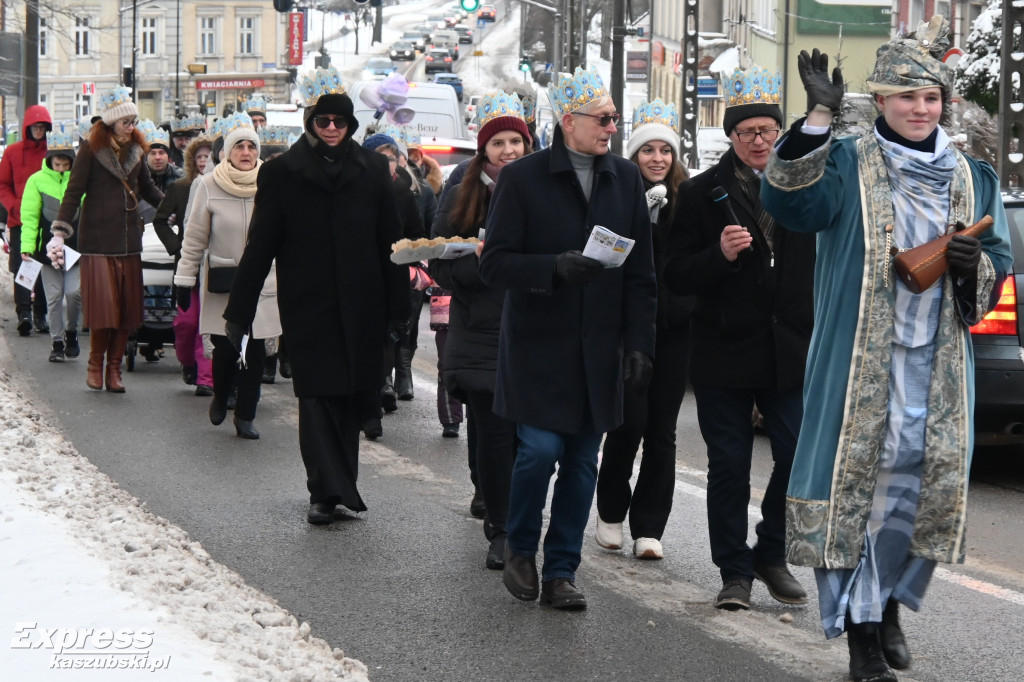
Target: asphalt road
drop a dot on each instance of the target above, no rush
(403, 586)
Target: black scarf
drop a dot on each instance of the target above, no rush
(750, 183)
(887, 133)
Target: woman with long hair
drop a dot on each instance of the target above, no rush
(111, 173)
(471, 351)
(650, 416)
(218, 230)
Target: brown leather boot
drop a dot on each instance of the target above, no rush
(99, 339)
(115, 353)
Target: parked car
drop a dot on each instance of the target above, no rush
(378, 68)
(451, 79)
(416, 38)
(999, 349)
(448, 152)
(487, 13)
(437, 59)
(465, 33)
(402, 51)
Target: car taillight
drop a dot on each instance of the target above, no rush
(437, 148)
(429, 58)
(1003, 318)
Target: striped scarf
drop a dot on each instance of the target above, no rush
(750, 182)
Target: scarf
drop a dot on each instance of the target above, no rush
(750, 183)
(489, 175)
(236, 182)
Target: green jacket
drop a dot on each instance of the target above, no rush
(40, 203)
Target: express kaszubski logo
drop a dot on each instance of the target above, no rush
(97, 648)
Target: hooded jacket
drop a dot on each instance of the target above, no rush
(39, 207)
(20, 161)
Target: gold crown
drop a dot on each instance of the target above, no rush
(316, 84)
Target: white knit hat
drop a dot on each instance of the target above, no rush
(238, 127)
(117, 104)
(652, 121)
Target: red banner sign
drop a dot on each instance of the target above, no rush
(295, 26)
(232, 84)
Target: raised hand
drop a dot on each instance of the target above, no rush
(823, 93)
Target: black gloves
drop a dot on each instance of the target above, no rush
(184, 296)
(637, 369)
(820, 90)
(963, 253)
(575, 268)
(235, 332)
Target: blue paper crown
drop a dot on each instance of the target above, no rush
(656, 111)
(257, 103)
(112, 98)
(273, 136)
(755, 85)
(293, 138)
(84, 126)
(498, 105)
(237, 120)
(529, 106)
(572, 92)
(316, 84)
(153, 134)
(183, 124)
(62, 139)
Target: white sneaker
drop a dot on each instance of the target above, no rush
(648, 548)
(609, 535)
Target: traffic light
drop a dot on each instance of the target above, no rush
(524, 64)
(284, 5)
(470, 5)
(323, 60)
(128, 78)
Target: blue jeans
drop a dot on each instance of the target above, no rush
(576, 456)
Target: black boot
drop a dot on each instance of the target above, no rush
(57, 354)
(388, 397)
(24, 323)
(894, 644)
(269, 370)
(403, 373)
(867, 662)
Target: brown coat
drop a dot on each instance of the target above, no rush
(110, 223)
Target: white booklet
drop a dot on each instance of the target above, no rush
(70, 257)
(607, 247)
(28, 273)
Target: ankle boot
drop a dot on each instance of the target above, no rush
(388, 397)
(269, 370)
(115, 353)
(867, 662)
(99, 339)
(403, 373)
(894, 644)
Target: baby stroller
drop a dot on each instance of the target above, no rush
(159, 306)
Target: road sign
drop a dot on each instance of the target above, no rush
(478, 53)
(88, 88)
(480, 23)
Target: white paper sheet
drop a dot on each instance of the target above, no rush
(28, 273)
(607, 247)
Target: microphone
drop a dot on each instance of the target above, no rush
(721, 197)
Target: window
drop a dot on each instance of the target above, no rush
(81, 36)
(149, 36)
(915, 15)
(207, 35)
(764, 15)
(246, 35)
(83, 105)
(44, 36)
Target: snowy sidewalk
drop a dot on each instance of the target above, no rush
(91, 581)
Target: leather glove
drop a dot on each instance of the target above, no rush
(575, 268)
(963, 253)
(637, 369)
(234, 332)
(184, 296)
(823, 94)
(398, 330)
(55, 251)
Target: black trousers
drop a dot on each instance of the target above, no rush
(650, 417)
(724, 418)
(495, 453)
(227, 374)
(329, 443)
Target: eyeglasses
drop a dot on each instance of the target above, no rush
(602, 121)
(129, 122)
(324, 122)
(751, 135)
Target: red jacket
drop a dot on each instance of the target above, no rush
(21, 160)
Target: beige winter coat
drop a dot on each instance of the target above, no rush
(216, 232)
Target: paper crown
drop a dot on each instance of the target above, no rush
(397, 133)
(187, 123)
(84, 126)
(572, 92)
(292, 138)
(499, 104)
(63, 139)
(656, 111)
(529, 107)
(273, 136)
(112, 98)
(256, 104)
(153, 134)
(755, 85)
(316, 84)
(237, 120)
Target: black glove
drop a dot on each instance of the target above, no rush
(398, 330)
(813, 70)
(637, 369)
(184, 295)
(963, 253)
(574, 267)
(235, 332)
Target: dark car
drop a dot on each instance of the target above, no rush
(402, 51)
(418, 40)
(487, 13)
(465, 33)
(999, 349)
(451, 79)
(378, 68)
(437, 60)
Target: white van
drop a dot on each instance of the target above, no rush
(286, 115)
(438, 113)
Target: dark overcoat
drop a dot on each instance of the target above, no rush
(336, 285)
(751, 323)
(561, 345)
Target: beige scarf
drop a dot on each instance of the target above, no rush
(236, 182)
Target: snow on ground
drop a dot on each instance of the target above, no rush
(89, 577)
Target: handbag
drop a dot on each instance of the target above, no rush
(922, 266)
(220, 277)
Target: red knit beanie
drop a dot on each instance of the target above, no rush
(496, 125)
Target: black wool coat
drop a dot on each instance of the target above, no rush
(561, 345)
(337, 287)
(752, 320)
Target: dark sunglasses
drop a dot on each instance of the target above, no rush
(324, 122)
(603, 121)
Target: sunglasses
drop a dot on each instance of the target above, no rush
(602, 121)
(324, 122)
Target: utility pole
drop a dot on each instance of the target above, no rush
(1011, 123)
(618, 72)
(177, 59)
(690, 119)
(30, 93)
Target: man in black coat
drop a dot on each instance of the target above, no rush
(750, 328)
(572, 331)
(325, 210)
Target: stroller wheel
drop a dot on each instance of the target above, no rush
(129, 354)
